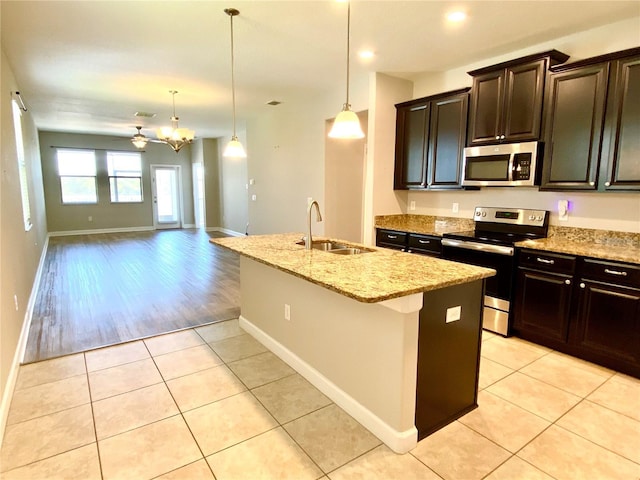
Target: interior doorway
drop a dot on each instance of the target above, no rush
(165, 186)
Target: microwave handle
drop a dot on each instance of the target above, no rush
(511, 166)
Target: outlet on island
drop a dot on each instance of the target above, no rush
(287, 311)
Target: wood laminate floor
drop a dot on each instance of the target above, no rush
(105, 289)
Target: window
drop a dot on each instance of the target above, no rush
(77, 171)
(125, 176)
(22, 166)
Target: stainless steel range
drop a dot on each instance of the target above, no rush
(491, 244)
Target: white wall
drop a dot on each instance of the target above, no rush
(20, 251)
(233, 188)
(610, 211)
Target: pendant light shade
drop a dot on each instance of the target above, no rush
(347, 124)
(174, 136)
(234, 148)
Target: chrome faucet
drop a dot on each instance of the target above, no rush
(308, 241)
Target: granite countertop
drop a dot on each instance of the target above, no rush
(424, 224)
(372, 277)
(601, 244)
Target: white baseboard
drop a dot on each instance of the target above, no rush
(21, 347)
(399, 442)
(233, 233)
(189, 225)
(101, 230)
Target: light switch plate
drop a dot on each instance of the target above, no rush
(412, 205)
(563, 210)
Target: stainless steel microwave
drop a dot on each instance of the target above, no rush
(505, 165)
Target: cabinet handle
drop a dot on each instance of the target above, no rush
(424, 242)
(567, 281)
(409, 251)
(607, 184)
(501, 137)
(582, 285)
(497, 137)
(544, 260)
(615, 272)
(392, 237)
(592, 183)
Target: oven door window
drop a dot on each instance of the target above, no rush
(498, 286)
(490, 167)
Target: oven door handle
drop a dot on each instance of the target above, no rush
(480, 247)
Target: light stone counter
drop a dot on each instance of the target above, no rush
(371, 277)
(602, 244)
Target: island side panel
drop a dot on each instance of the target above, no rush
(367, 351)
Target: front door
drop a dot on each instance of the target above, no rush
(165, 185)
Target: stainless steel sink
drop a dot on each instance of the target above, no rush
(335, 247)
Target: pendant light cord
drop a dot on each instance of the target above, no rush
(347, 106)
(233, 82)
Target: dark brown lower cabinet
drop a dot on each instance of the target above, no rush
(608, 316)
(581, 306)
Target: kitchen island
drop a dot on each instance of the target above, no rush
(358, 327)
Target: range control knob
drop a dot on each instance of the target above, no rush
(539, 218)
(532, 217)
(478, 213)
(484, 214)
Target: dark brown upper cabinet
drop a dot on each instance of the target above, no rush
(430, 138)
(593, 124)
(507, 99)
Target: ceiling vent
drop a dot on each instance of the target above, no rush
(145, 114)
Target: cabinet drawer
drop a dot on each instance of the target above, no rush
(391, 237)
(611, 272)
(425, 243)
(547, 262)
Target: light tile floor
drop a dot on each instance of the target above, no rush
(212, 400)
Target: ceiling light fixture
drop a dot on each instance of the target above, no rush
(347, 124)
(234, 148)
(139, 140)
(456, 16)
(173, 136)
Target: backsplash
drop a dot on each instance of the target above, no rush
(423, 223)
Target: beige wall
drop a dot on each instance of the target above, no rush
(380, 198)
(233, 189)
(20, 251)
(105, 215)
(344, 184)
(612, 211)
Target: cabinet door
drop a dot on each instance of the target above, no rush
(486, 108)
(542, 305)
(609, 321)
(524, 88)
(575, 122)
(412, 134)
(622, 169)
(446, 141)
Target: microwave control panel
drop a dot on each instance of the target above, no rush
(521, 166)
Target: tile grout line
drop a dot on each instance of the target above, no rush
(93, 417)
(181, 416)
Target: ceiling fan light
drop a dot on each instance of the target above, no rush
(139, 141)
(234, 149)
(346, 125)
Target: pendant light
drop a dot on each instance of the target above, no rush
(347, 124)
(234, 148)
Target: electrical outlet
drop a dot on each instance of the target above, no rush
(455, 208)
(412, 205)
(287, 311)
(453, 314)
(90, 218)
(309, 200)
(15, 301)
(254, 197)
